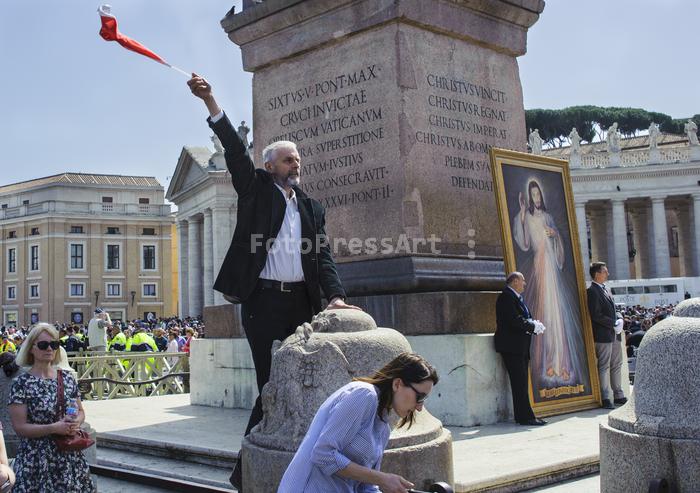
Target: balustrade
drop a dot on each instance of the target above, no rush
(114, 375)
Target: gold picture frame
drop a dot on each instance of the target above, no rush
(563, 368)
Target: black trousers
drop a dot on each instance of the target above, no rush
(516, 366)
(270, 315)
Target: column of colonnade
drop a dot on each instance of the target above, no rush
(195, 283)
(610, 221)
(204, 239)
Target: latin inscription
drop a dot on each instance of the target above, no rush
(339, 120)
(465, 120)
(336, 122)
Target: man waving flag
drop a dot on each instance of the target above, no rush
(109, 32)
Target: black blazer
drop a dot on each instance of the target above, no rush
(513, 326)
(601, 307)
(261, 209)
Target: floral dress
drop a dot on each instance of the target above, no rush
(39, 466)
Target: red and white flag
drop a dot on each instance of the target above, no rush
(109, 32)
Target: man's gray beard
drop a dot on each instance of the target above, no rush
(293, 181)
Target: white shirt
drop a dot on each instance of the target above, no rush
(284, 257)
(97, 334)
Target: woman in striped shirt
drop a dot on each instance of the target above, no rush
(343, 448)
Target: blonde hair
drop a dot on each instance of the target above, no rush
(62, 362)
(25, 356)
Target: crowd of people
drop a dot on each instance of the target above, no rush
(158, 335)
(639, 319)
(44, 402)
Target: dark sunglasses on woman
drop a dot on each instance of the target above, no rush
(420, 396)
(44, 345)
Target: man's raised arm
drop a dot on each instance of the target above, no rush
(202, 89)
(238, 161)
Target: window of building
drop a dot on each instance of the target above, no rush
(106, 200)
(12, 234)
(76, 256)
(11, 292)
(76, 229)
(33, 290)
(114, 289)
(10, 318)
(149, 231)
(113, 257)
(112, 230)
(144, 200)
(149, 289)
(34, 257)
(149, 257)
(11, 260)
(77, 289)
(35, 231)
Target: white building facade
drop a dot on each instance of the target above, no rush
(206, 218)
(639, 208)
(74, 241)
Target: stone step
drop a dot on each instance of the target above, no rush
(535, 477)
(224, 459)
(167, 468)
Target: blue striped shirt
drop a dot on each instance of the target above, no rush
(346, 429)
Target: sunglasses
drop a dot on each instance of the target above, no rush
(44, 345)
(420, 396)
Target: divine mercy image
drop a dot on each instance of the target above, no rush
(543, 253)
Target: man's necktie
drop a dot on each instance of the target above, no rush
(522, 302)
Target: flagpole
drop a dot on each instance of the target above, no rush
(179, 70)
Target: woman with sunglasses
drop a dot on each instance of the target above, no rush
(343, 448)
(39, 466)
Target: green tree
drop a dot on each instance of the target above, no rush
(593, 121)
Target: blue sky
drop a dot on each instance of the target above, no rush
(73, 102)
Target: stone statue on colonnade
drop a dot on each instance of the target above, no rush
(535, 142)
(575, 140)
(654, 135)
(691, 129)
(613, 138)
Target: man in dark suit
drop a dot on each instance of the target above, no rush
(607, 331)
(514, 329)
(279, 259)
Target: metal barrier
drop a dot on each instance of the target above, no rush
(115, 375)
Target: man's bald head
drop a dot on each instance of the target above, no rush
(516, 280)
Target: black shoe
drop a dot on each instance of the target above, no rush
(532, 422)
(607, 404)
(621, 401)
(236, 478)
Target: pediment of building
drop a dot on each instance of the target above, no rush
(189, 172)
